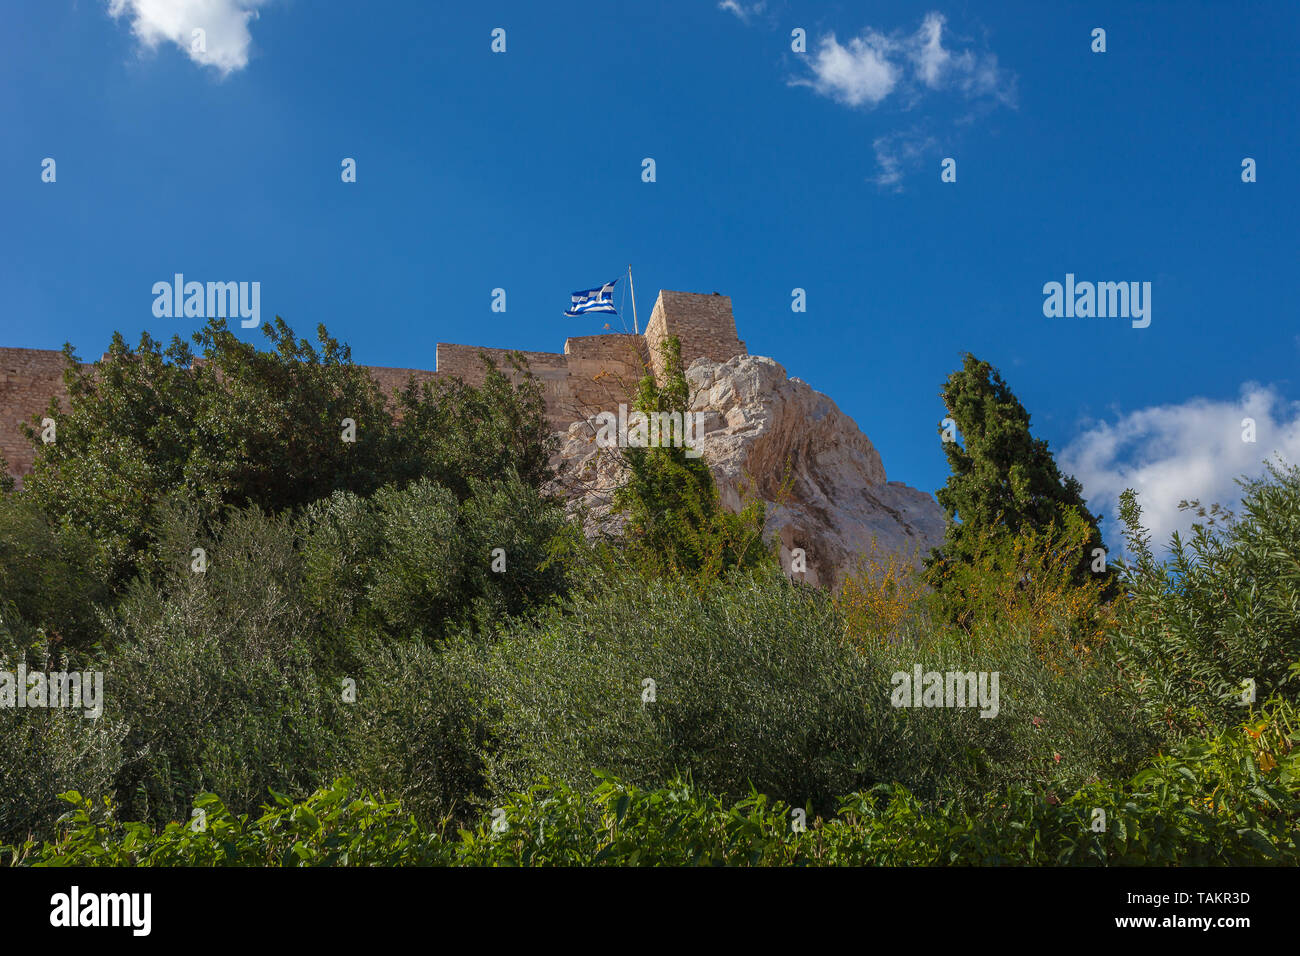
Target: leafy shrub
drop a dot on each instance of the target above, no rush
(675, 524)
(240, 427)
(1027, 585)
(339, 825)
(232, 680)
(213, 674)
(751, 684)
(1220, 801)
(44, 751)
(757, 685)
(455, 434)
(1014, 608)
(882, 597)
(1233, 799)
(1062, 720)
(416, 579)
(417, 563)
(48, 578)
(1223, 608)
(416, 730)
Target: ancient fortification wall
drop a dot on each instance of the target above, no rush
(594, 372)
(703, 323)
(29, 378)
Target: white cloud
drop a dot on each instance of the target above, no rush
(223, 43)
(855, 74)
(897, 151)
(743, 10)
(1170, 453)
(907, 69)
(870, 67)
(928, 53)
(974, 74)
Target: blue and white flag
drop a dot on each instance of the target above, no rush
(594, 300)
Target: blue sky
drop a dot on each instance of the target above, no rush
(775, 170)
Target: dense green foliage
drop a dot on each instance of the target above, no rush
(674, 522)
(1227, 800)
(48, 576)
(1004, 481)
(754, 684)
(235, 588)
(46, 752)
(238, 426)
(427, 625)
(232, 680)
(1224, 610)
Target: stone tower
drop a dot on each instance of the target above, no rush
(703, 323)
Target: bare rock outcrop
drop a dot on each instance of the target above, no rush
(769, 435)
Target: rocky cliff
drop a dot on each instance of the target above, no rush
(760, 430)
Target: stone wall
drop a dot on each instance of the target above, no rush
(603, 371)
(594, 372)
(29, 378)
(465, 362)
(394, 379)
(703, 323)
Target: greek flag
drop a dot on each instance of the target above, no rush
(594, 300)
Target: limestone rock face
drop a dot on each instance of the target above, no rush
(763, 432)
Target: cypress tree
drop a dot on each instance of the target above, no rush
(675, 522)
(1004, 480)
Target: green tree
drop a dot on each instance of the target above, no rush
(240, 426)
(124, 440)
(1004, 481)
(1214, 622)
(47, 576)
(674, 520)
(456, 434)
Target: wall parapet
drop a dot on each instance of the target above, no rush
(593, 373)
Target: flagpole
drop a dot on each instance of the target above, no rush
(635, 327)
